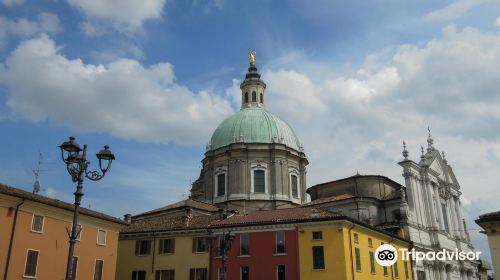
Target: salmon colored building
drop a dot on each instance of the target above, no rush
(34, 239)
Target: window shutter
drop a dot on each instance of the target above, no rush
(194, 244)
(137, 247)
(192, 272)
(358, 259)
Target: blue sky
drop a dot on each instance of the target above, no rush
(153, 79)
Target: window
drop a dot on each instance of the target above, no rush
(280, 242)
(358, 259)
(167, 246)
(139, 275)
(407, 276)
(31, 263)
(386, 273)
(99, 264)
(101, 237)
(165, 274)
(254, 96)
(246, 97)
(317, 235)
(79, 229)
(445, 217)
(281, 270)
(261, 98)
(244, 244)
(245, 273)
(142, 247)
(356, 238)
(221, 184)
(200, 244)
(37, 223)
(198, 274)
(74, 268)
(295, 186)
(221, 245)
(370, 243)
(396, 272)
(259, 182)
(372, 263)
(318, 257)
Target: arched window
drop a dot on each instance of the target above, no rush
(295, 186)
(259, 181)
(221, 184)
(261, 98)
(254, 96)
(246, 97)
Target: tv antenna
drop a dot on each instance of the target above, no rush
(36, 172)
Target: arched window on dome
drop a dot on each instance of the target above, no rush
(261, 98)
(294, 184)
(259, 181)
(254, 96)
(220, 183)
(246, 97)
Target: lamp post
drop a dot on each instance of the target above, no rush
(76, 162)
(225, 247)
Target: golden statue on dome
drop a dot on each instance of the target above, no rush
(252, 57)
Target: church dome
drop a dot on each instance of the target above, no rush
(254, 125)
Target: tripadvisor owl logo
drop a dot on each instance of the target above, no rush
(386, 255)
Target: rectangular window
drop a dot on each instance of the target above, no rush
(280, 242)
(101, 237)
(372, 263)
(98, 267)
(167, 246)
(259, 183)
(317, 235)
(386, 273)
(79, 230)
(142, 247)
(168, 274)
(139, 275)
(407, 276)
(281, 272)
(370, 243)
(221, 184)
(31, 263)
(396, 272)
(74, 268)
(318, 257)
(358, 259)
(200, 244)
(37, 223)
(295, 186)
(245, 273)
(198, 274)
(244, 244)
(356, 238)
(445, 217)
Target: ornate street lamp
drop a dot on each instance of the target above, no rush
(225, 247)
(76, 162)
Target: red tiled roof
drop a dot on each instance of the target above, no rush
(187, 203)
(288, 215)
(489, 217)
(329, 199)
(8, 190)
(167, 223)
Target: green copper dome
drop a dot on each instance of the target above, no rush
(254, 125)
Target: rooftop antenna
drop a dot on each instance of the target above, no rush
(36, 172)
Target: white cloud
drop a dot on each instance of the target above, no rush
(123, 98)
(497, 22)
(10, 3)
(127, 16)
(24, 28)
(455, 10)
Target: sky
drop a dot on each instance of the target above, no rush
(153, 79)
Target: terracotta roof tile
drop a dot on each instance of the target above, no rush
(187, 203)
(329, 199)
(167, 223)
(489, 217)
(288, 215)
(8, 190)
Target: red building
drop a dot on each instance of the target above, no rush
(264, 245)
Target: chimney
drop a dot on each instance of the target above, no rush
(127, 218)
(370, 222)
(186, 219)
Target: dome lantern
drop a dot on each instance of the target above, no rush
(252, 88)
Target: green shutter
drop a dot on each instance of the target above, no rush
(406, 270)
(318, 257)
(385, 271)
(396, 272)
(358, 259)
(372, 263)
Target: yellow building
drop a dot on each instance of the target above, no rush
(34, 241)
(167, 243)
(345, 249)
(490, 222)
